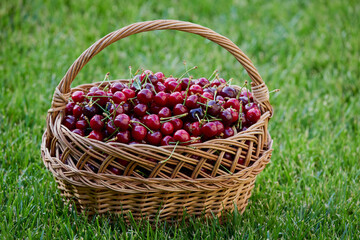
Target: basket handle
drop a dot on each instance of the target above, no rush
(62, 92)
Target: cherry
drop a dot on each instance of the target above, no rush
(79, 131)
(215, 83)
(116, 109)
(115, 87)
(222, 81)
(234, 103)
(167, 128)
(114, 170)
(229, 92)
(226, 117)
(244, 100)
(69, 108)
(82, 124)
(154, 108)
(234, 114)
(246, 93)
(209, 129)
(208, 96)
(119, 97)
(96, 123)
(244, 129)
(160, 87)
(122, 121)
(161, 99)
(168, 80)
(96, 135)
(228, 132)
(123, 136)
(140, 109)
(153, 138)
(253, 115)
(164, 112)
(211, 90)
(166, 141)
(175, 98)
(160, 76)
(213, 108)
(69, 122)
(173, 86)
(192, 101)
(181, 136)
(134, 122)
(78, 96)
(196, 114)
(249, 106)
(241, 161)
(153, 79)
(138, 133)
(219, 98)
(180, 109)
(145, 75)
(145, 96)
(185, 82)
(110, 127)
(243, 119)
(100, 97)
(152, 121)
(194, 129)
(220, 128)
(203, 82)
(93, 89)
(127, 107)
(149, 86)
(90, 111)
(177, 123)
(77, 111)
(194, 89)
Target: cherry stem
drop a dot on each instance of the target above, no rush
(187, 90)
(174, 117)
(212, 74)
(163, 161)
(239, 123)
(142, 125)
(275, 90)
(106, 77)
(179, 79)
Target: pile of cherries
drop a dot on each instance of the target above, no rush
(156, 110)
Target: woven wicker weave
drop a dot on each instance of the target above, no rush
(193, 179)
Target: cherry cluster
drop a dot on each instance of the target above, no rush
(156, 110)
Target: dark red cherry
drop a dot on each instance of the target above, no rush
(215, 83)
(152, 121)
(203, 82)
(127, 107)
(154, 108)
(181, 136)
(77, 111)
(180, 109)
(244, 100)
(211, 90)
(160, 87)
(195, 129)
(114, 170)
(96, 135)
(78, 96)
(145, 75)
(226, 116)
(69, 108)
(115, 87)
(244, 128)
(93, 89)
(164, 112)
(110, 127)
(253, 115)
(122, 121)
(140, 109)
(196, 114)
(177, 123)
(228, 132)
(96, 123)
(138, 133)
(129, 93)
(222, 81)
(161, 99)
(100, 97)
(192, 101)
(229, 92)
(246, 93)
(173, 86)
(209, 129)
(233, 103)
(249, 106)
(167, 140)
(194, 89)
(235, 115)
(167, 128)
(116, 109)
(119, 97)
(82, 124)
(160, 76)
(79, 132)
(69, 122)
(145, 96)
(123, 136)
(134, 122)
(149, 86)
(185, 83)
(220, 127)
(175, 98)
(213, 108)
(219, 98)
(89, 112)
(154, 138)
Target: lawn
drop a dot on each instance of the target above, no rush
(308, 49)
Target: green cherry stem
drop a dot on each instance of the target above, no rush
(163, 161)
(142, 125)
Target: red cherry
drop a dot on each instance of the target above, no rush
(100, 97)
(145, 75)
(167, 128)
(181, 136)
(246, 93)
(220, 127)
(192, 101)
(168, 80)
(140, 109)
(233, 103)
(154, 108)
(228, 132)
(185, 82)
(116, 109)
(145, 96)
(127, 107)
(222, 81)
(228, 91)
(180, 109)
(69, 122)
(134, 122)
(114, 170)
(173, 86)
(96, 135)
(215, 83)
(177, 123)
(253, 115)
(77, 111)
(249, 106)
(194, 89)
(234, 114)
(209, 129)
(138, 133)
(123, 137)
(203, 82)
(161, 99)
(164, 112)
(119, 97)
(175, 98)
(69, 108)
(82, 124)
(241, 161)
(129, 93)
(89, 112)
(195, 129)
(219, 98)
(159, 87)
(160, 76)
(115, 87)
(149, 86)
(208, 96)
(96, 123)
(152, 121)
(110, 127)
(122, 121)
(244, 100)
(79, 132)
(78, 96)
(226, 117)
(153, 138)
(166, 141)
(213, 108)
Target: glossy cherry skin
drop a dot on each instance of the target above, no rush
(152, 121)
(215, 83)
(226, 116)
(100, 97)
(138, 133)
(234, 114)
(69, 108)
(229, 92)
(78, 96)
(161, 99)
(167, 128)
(115, 87)
(129, 93)
(185, 83)
(116, 109)
(77, 111)
(192, 101)
(228, 132)
(79, 132)
(89, 112)
(93, 89)
(213, 108)
(154, 138)
(181, 136)
(122, 121)
(196, 114)
(175, 98)
(177, 123)
(123, 136)
(203, 82)
(160, 87)
(119, 97)
(220, 127)
(195, 129)
(249, 106)
(110, 127)
(134, 122)
(154, 109)
(180, 109)
(167, 140)
(194, 89)
(209, 129)
(233, 103)
(69, 122)
(114, 170)
(96, 123)
(149, 86)
(140, 109)
(127, 107)
(164, 112)
(173, 86)
(145, 96)
(160, 76)
(82, 124)
(253, 115)
(96, 135)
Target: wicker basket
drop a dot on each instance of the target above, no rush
(167, 193)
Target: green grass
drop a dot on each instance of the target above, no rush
(308, 49)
